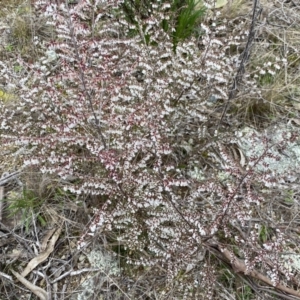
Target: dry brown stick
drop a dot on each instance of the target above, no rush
(239, 266)
(6, 177)
(42, 294)
(43, 255)
(1, 201)
(244, 58)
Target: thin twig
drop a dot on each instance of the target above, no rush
(1, 201)
(6, 276)
(71, 272)
(83, 81)
(6, 178)
(245, 57)
(41, 293)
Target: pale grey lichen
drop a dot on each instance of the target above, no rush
(104, 261)
(108, 267)
(253, 145)
(196, 174)
(291, 262)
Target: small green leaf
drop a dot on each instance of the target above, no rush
(42, 220)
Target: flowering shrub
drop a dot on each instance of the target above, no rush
(132, 121)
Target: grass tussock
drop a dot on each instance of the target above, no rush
(21, 28)
(274, 65)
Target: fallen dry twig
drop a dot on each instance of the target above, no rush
(74, 273)
(6, 276)
(1, 201)
(43, 255)
(42, 294)
(239, 266)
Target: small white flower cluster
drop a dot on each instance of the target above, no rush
(269, 68)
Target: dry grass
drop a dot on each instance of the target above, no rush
(20, 26)
(277, 39)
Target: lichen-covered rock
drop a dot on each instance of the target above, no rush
(280, 142)
(108, 267)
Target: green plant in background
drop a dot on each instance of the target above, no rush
(140, 8)
(184, 16)
(235, 282)
(289, 199)
(187, 20)
(245, 293)
(263, 233)
(226, 276)
(9, 48)
(266, 79)
(26, 205)
(18, 68)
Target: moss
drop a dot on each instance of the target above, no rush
(7, 97)
(293, 60)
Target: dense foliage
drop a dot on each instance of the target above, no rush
(124, 108)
